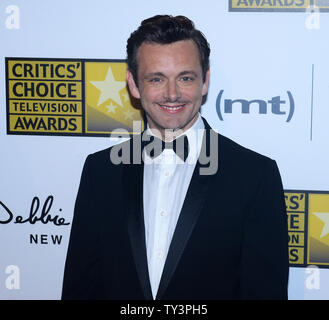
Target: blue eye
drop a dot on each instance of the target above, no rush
(186, 79)
(155, 80)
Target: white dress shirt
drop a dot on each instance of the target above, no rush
(166, 180)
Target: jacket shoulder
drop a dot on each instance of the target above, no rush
(234, 152)
(108, 155)
(103, 155)
(231, 152)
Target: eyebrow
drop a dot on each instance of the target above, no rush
(160, 74)
(183, 73)
(154, 74)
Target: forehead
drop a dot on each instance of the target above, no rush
(176, 55)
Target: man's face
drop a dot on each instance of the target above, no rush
(170, 84)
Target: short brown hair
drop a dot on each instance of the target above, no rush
(165, 29)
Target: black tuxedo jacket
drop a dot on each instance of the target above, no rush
(230, 241)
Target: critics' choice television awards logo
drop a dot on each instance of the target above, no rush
(69, 97)
(278, 5)
(308, 227)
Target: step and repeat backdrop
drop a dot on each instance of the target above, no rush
(64, 96)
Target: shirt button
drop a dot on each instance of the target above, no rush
(166, 174)
(160, 255)
(163, 213)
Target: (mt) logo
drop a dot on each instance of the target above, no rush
(276, 105)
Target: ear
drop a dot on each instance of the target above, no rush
(205, 85)
(132, 85)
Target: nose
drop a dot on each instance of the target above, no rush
(172, 92)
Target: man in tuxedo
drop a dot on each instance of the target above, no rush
(194, 215)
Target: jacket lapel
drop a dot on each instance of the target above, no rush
(191, 210)
(133, 181)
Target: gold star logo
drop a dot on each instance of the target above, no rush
(109, 88)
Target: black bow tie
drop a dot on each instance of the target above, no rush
(154, 146)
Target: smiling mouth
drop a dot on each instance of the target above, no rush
(172, 109)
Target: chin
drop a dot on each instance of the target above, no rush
(170, 124)
(174, 126)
